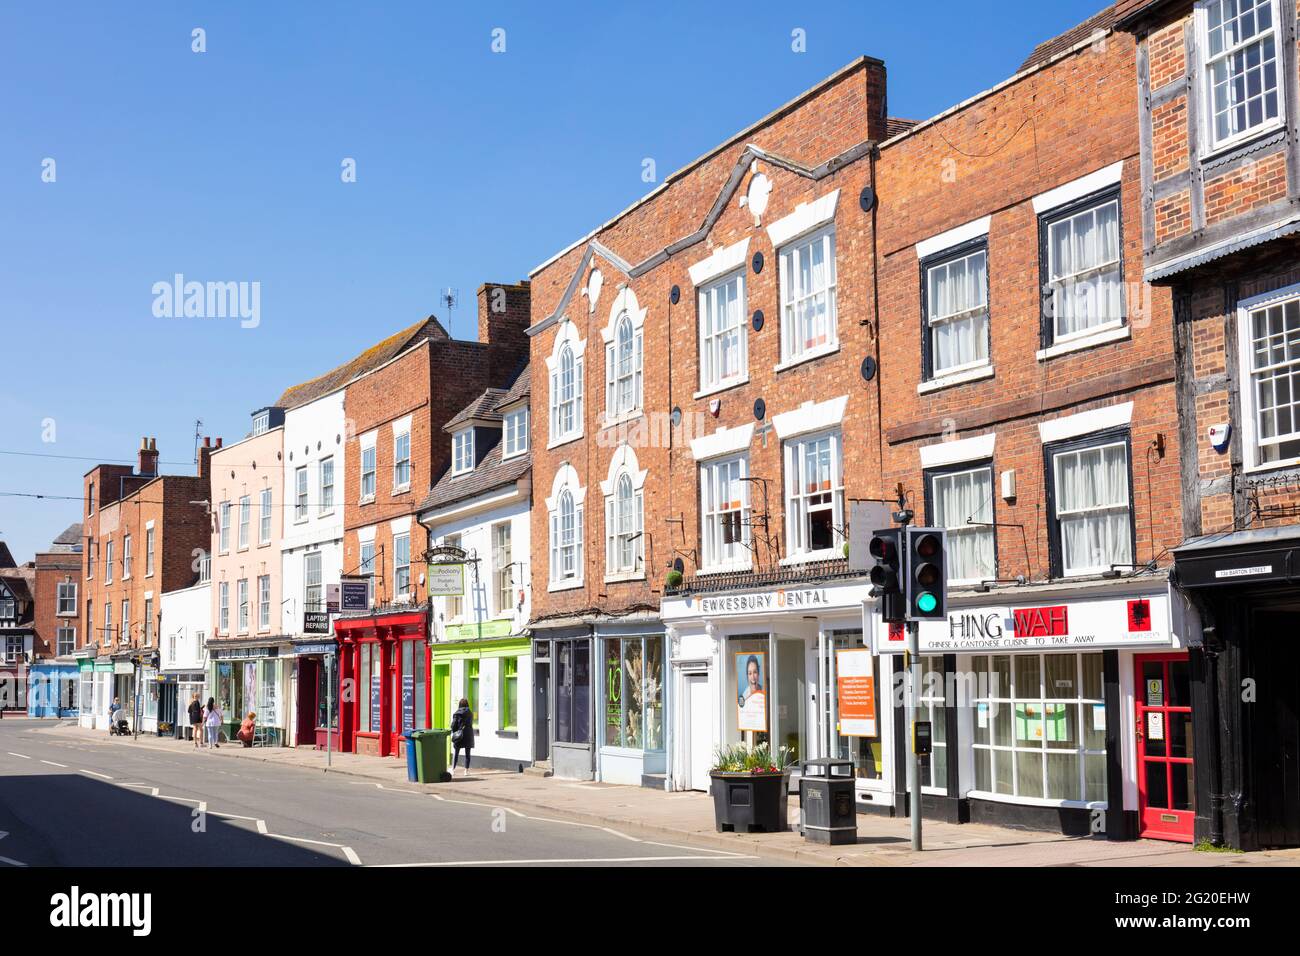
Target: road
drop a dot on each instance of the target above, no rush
(87, 802)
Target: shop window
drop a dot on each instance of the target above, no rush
(327, 697)
(814, 496)
(1040, 726)
(510, 694)
(961, 500)
(956, 307)
(472, 685)
(1090, 515)
(1270, 350)
(724, 506)
(572, 692)
(934, 768)
(634, 693)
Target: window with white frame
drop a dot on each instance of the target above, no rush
(368, 473)
(402, 461)
(264, 517)
(67, 599)
(148, 552)
(245, 520)
(8, 606)
(242, 603)
(1040, 726)
(566, 539)
(808, 295)
(934, 766)
(366, 567)
(961, 500)
(1241, 42)
(462, 451)
(401, 565)
(300, 493)
(1270, 347)
(313, 590)
(514, 429)
(724, 511)
(502, 578)
(1084, 272)
(125, 633)
(223, 607)
(566, 395)
(326, 484)
(223, 529)
(126, 557)
(13, 649)
(623, 369)
(108, 621)
(623, 521)
(108, 562)
(205, 567)
(67, 639)
(1091, 514)
(148, 622)
(90, 499)
(957, 310)
(722, 332)
(814, 495)
(263, 602)
(91, 555)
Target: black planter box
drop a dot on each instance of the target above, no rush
(745, 802)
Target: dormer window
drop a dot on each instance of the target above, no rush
(514, 432)
(462, 451)
(8, 606)
(261, 422)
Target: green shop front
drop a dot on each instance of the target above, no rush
(491, 668)
(249, 677)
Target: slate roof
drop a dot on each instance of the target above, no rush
(20, 581)
(483, 408)
(1103, 21)
(895, 126)
(367, 361)
(520, 389)
(490, 474)
(69, 539)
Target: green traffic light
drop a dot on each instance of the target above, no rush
(926, 602)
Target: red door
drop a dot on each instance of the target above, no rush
(1166, 778)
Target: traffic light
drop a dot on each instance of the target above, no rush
(927, 580)
(887, 575)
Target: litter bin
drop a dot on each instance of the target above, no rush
(826, 811)
(412, 766)
(429, 755)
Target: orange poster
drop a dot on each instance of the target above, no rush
(856, 685)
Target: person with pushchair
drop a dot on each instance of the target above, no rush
(117, 720)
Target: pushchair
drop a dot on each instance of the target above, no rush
(119, 727)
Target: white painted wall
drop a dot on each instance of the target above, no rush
(186, 624)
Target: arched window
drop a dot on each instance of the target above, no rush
(623, 369)
(623, 523)
(566, 539)
(566, 393)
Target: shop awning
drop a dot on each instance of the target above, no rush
(1239, 559)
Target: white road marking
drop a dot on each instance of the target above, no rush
(575, 859)
(12, 754)
(53, 764)
(9, 860)
(346, 850)
(95, 773)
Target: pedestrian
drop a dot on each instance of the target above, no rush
(196, 720)
(114, 706)
(248, 729)
(462, 734)
(213, 723)
(118, 718)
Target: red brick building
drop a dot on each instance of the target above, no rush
(398, 396)
(1218, 101)
(146, 533)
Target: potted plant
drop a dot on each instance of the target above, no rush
(750, 789)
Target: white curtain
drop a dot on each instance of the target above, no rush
(1093, 507)
(1081, 297)
(960, 501)
(958, 310)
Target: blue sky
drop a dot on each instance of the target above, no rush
(471, 166)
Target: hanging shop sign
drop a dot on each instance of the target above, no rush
(1104, 622)
(355, 594)
(855, 686)
(332, 597)
(315, 622)
(312, 650)
(751, 700)
(446, 580)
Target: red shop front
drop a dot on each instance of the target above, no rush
(383, 681)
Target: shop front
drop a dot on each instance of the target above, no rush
(383, 679)
(52, 689)
(491, 668)
(563, 702)
(95, 695)
(244, 677)
(1058, 707)
(632, 743)
(1244, 589)
(316, 717)
(176, 689)
(787, 666)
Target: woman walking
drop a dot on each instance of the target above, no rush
(196, 720)
(213, 722)
(462, 734)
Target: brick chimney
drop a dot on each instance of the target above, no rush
(504, 314)
(205, 456)
(148, 457)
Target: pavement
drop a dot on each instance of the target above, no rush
(684, 818)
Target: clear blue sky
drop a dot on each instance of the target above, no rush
(472, 166)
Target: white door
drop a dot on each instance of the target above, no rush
(700, 734)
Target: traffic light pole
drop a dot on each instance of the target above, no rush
(914, 761)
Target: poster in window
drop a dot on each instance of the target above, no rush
(408, 701)
(1029, 722)
(250, 689)
(751, 701)
(1155, 693)
(376, 681)
(1156, 725)
(855, 684)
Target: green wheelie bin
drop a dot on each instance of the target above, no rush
(431, 754)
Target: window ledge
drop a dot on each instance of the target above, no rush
(1110, 332)
(610, 421)
(562, 440)
(1271, 466)
(508, 734)
(826, 554)
(820, 351)
(956, 378)
(401, 490)
(1036, 801)
(722, 386)
(624, 576)
(564, 585)
(1249, 138)
(368, 500)
(725, 569)
(514, 454)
